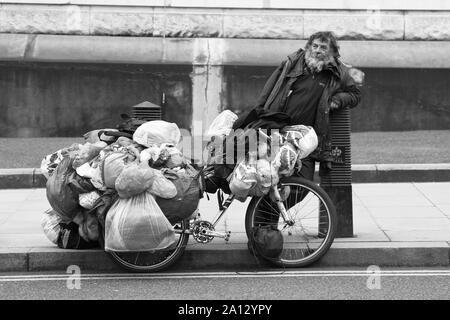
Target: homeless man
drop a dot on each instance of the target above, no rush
(303, 90)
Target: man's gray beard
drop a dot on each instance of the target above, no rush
(317, 64)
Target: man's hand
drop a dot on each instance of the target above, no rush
(334, 105)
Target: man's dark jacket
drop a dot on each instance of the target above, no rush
(341, 88)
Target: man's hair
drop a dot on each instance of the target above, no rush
(325, 36)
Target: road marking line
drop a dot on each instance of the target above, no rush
(235, 273)
(273, 274)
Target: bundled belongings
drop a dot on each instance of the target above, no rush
(267, 177)
(82, 233)
(50, 223)
(304, 138)
(266, 157)
(120, 186)
(100, 135)
(253, 178)
(267, 240)
(87, 226)
(157, 132)
(64, 187)
(222, 124)
(87, 152)
(188, 194)
(137, 178)
(286, 159)
(87, 200)
(137, 224)
(243, 179)
(51, 161)
(70, 238)
(113, 165)
(129, 124)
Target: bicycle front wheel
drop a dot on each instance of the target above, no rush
(313, 224)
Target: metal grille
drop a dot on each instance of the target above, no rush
(341, 174)
(147, 111)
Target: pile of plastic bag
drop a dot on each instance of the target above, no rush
(262, 167)
(134, 188)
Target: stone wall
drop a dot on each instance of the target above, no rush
(40, 99)
(390, 101)
(57, 100)
(226, 23)
(62, 61)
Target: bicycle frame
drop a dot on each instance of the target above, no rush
(225, 207)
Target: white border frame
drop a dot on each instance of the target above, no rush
(435, 5)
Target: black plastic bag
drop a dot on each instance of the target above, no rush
(268, 241)
(186, 201)
(63, 189)
(129, 124)
(70, 238)
(102, 205)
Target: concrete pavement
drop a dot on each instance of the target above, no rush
(395, 224)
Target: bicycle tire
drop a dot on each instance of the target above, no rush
(328, 238)
(169, 257)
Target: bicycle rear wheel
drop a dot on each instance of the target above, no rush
(314, 222)
(153, 261)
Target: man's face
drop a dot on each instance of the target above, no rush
(319, 49)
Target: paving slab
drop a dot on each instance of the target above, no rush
(13, 240)
(437, 193)
(412, 225)
(387, 189)
(387, 231)
(445, 209)
(418, 235)
(407, 212)
(392, 200)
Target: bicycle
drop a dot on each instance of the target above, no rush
(308, 227)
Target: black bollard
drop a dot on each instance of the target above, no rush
(338, 182)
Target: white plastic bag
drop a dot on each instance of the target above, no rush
(243, 179)
(137, 224)
(87, 152)
(50, 225)
(85, 171)
(135, 179)
(51, 161)
(304, 138)
(286, 159)
(93, 171)
(87, 200)
(113, 166)
(222, 124)
(157, 132)
(176, 158)
(267, 176)
(308, 144)
(162, 187)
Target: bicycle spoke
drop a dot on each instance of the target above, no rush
(308, 214)
(305, 203)
(270, 205)
(271, 213)
(137, 257)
